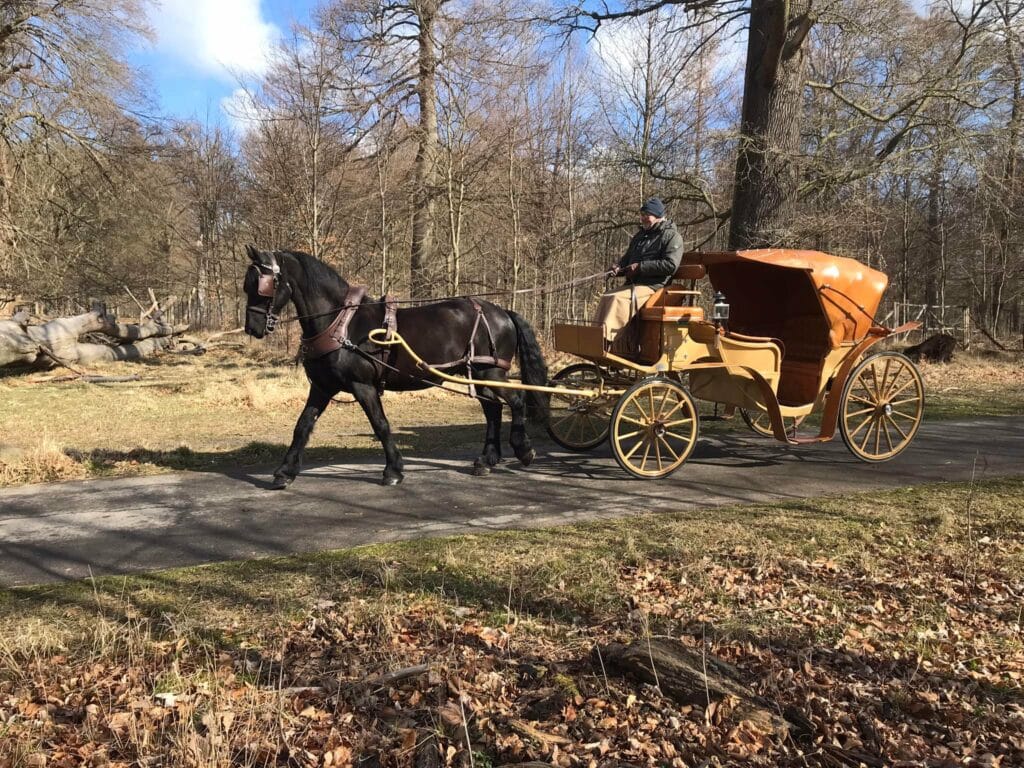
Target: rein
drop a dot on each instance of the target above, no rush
(342, 307)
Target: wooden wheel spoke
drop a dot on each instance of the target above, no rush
(675, 408)
(914, 399)
(663, 441)
(910, 382)
(867, 434)
(899, 429)
(885, 377)
(630, 420)
(635, 402)
(897, 374)
(878, 435)
(573, 428)
(639, 443)
(860, 399)
(661, 405)
(677, 436)
(677, 422)
(863, 385)
(594, 423)
(904, 415)
(631, 434)
(562, 420)
(657, 455)
(888, 438)
(874, 381)
(647, 453)
(853, 433)
(862, 411)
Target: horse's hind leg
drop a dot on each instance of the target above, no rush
(316, 402)
(492, 438)
(519, 440)
(369, 399)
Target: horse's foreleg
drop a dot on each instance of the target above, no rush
(369, 399)
(492, 438)
(316, 403)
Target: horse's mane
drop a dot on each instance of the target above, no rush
(319, 276)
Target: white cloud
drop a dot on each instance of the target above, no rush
(218, 37)
(242, 112)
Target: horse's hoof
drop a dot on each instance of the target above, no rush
(281, 482)
(527, 458)
(481, 470)
(391, 480)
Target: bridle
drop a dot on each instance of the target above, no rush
(267, 280)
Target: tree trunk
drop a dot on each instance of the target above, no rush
(425, 192)
(767, 176)
(56, 342)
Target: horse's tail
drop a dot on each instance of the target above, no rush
(532, 368)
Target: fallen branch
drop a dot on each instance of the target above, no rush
(990, 337)
(524, 728)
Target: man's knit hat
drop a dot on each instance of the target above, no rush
(654, 207)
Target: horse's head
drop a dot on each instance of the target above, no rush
(267, 292)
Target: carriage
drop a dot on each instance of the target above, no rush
(790, 340)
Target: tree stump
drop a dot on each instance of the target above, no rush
(679, 672)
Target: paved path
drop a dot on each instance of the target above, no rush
(61, 531)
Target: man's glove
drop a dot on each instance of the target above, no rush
(612, 272)
(631, 270)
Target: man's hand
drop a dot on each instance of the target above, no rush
(613, 271)
(631, 270)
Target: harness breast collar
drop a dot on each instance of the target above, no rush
(334, 335)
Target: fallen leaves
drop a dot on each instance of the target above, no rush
(895, 653)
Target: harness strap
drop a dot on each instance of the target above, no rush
(334, 335)
(390, 314)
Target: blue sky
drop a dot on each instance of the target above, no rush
(202, 47)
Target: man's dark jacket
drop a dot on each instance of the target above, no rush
(658, 251)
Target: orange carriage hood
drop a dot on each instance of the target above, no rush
(844, 293)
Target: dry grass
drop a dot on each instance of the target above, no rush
(239, 408)
(218, 410)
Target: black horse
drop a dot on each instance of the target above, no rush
(463, 335)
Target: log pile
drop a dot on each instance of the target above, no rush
(93, 337)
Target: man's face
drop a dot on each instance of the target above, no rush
(647, 220)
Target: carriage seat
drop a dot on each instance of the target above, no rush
(673, 303)
(660, 313)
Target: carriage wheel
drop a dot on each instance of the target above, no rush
(882, 406)
(579, 423)
(654, 428)
(761, 423)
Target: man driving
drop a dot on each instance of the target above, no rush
(651, 259)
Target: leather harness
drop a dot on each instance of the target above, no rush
(335, 336)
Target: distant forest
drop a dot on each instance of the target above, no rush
(440, 147)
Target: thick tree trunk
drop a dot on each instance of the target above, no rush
(767, 175)
(57, 342)
(425, 193)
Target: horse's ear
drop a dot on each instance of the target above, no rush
(252, 253)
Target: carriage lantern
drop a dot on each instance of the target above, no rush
(720, 309)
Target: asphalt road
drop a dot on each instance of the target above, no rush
(67, 530)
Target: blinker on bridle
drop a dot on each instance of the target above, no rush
(266, 286)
